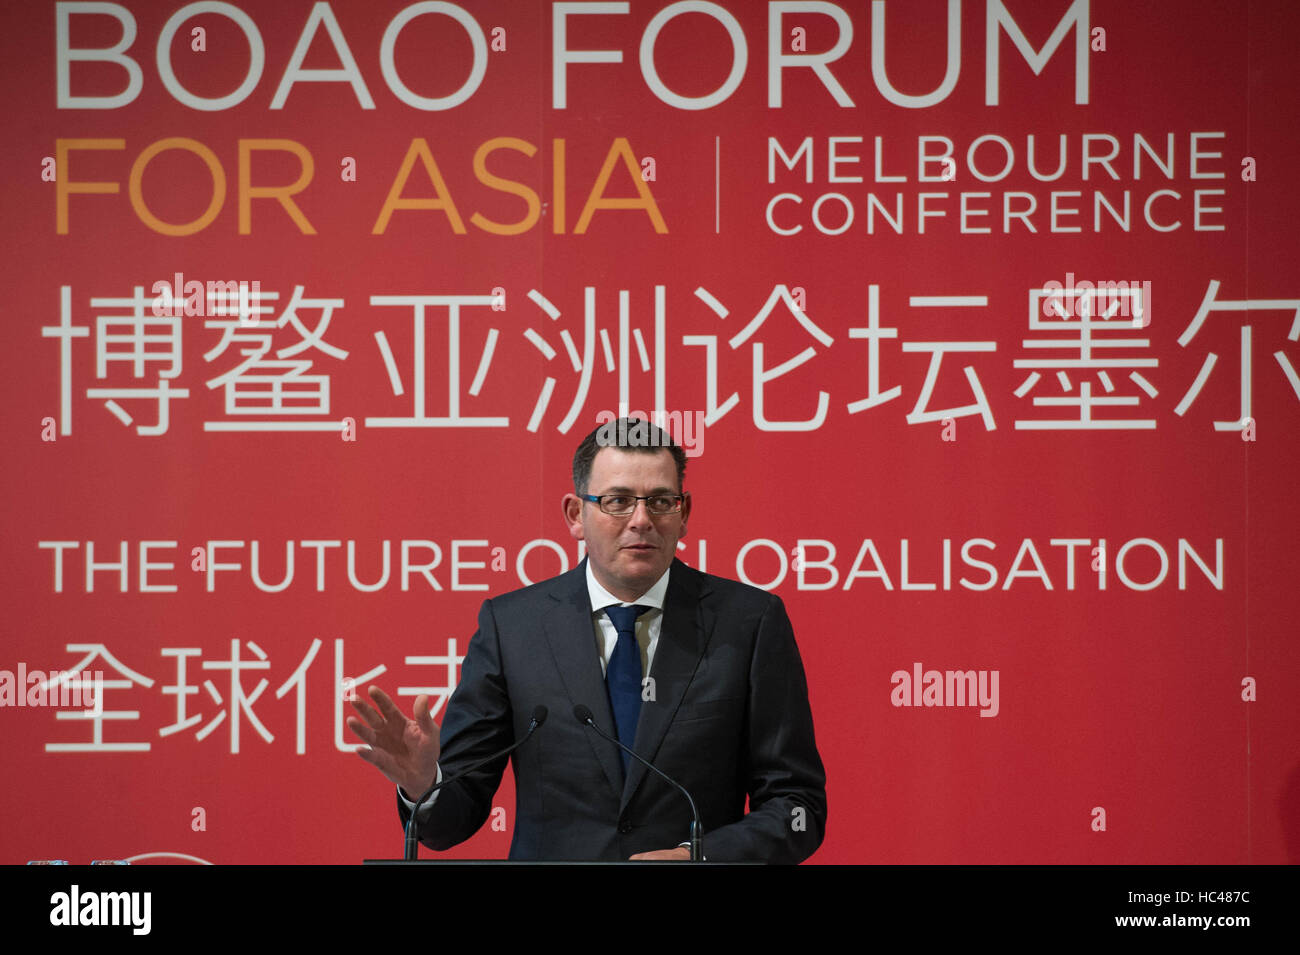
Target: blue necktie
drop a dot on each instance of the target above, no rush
(623, 676)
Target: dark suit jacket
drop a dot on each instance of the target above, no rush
(730, 720)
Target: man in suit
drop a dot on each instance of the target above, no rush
(698, 674)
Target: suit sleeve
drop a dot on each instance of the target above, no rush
(786, 780)
(477, 722)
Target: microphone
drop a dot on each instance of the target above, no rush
(583, 715)
(411, 851)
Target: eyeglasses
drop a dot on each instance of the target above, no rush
(621, 505)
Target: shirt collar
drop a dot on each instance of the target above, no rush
(602, 598)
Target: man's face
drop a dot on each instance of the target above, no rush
(628, 554)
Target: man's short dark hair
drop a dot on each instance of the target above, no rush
(629, 434)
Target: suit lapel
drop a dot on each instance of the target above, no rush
(572, 640)
(682, 641)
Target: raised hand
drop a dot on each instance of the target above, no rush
(404, 750)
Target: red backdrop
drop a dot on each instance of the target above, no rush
(892, 425)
